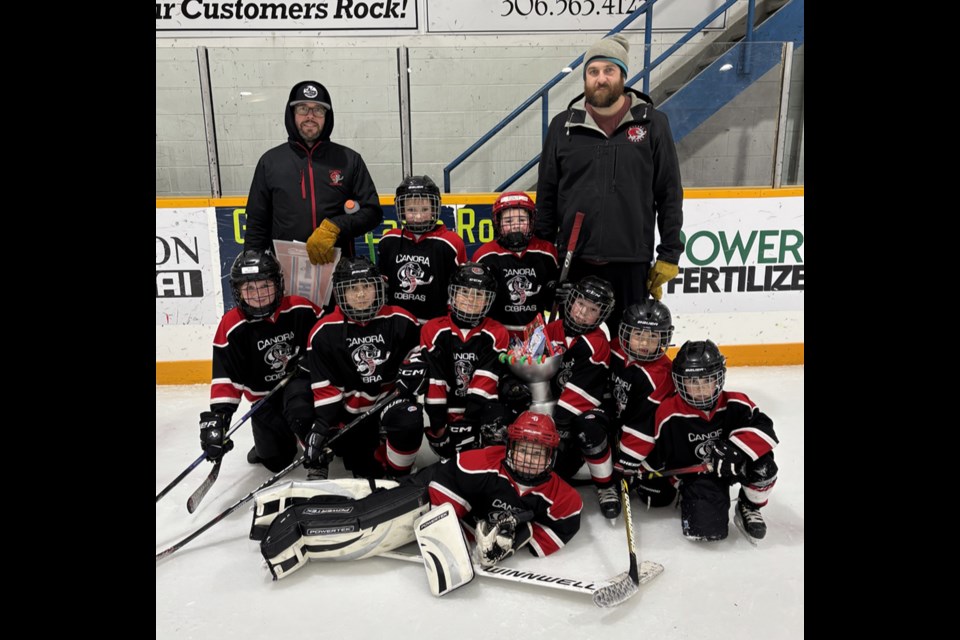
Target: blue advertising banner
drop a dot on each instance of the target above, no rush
(472, 222)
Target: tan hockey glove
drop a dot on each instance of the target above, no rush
(660, 273)
(321, 241)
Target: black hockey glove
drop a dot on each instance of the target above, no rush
(627, 466)
(728, 460)
(317, 452)
(493, 432)
(213, 434)
(411, 378)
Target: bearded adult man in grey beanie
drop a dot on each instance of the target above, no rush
(611, 155)
(300, 189)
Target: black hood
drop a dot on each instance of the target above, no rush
(322, 96)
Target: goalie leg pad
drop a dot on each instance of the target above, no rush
(334, 526)
(446, 557)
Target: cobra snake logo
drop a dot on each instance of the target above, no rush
(520, 289)
(411, 276)
(367, 358)
(463, 370)
(279, 354)
(620, 395)
(705, 449)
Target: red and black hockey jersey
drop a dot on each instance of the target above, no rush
(464, 371)
(476, 483)
(582, 378)
(352, 365)
(638, 388)
(250, 356)
(525, 281)
(418, 270)
(685, 435)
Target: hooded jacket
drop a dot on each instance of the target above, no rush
(297, 186)
(624, 184)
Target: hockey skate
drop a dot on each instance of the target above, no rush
(748, 519)
(319, 473)
(609, 499)
(252, 456)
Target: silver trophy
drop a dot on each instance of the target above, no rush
(537, 376)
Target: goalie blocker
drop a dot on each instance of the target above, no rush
(344, 519)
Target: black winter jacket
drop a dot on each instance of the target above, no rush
(623, 184)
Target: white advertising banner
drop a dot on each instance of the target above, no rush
(185, 278)
(285, 15)
(537, 16)
(742, 254)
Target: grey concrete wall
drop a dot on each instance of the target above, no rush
(460, 87)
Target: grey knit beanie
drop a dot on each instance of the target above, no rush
(615, 49)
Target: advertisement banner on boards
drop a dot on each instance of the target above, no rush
(742, 254)
(185, 281)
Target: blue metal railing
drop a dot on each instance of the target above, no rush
(542, 94)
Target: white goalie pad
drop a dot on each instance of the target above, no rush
(444, 550)
(343, 519)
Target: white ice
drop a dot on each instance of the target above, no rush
(218, 586)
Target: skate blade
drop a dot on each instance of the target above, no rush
(737, 520)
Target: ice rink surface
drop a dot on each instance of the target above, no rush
(218, 586)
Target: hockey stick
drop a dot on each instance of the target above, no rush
(203, 456)
(627, 583)
(272, 479)
(568, 257)
(194, 500)
(647, 572)
(697, 468)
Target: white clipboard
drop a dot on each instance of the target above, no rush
(314, 282)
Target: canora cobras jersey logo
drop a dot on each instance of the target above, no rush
(463, 370)
(367, 357)
(279, 354)
(704, 450)
(565, 372)
(520, 288)
(621, 390)
(411, 276)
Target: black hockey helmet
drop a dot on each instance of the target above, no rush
(532, 428)
(652, 316)
(475, 283)
(589, 289)
(251, 266)
(508, 200)
(418, 187)
(358, 287)
(699, 371)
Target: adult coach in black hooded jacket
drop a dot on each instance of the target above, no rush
(300, 188)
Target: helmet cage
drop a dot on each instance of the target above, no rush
(700, 391)
(532, 446)
(505, 205)
(587, 290)
(256, 266)
(421, 226)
